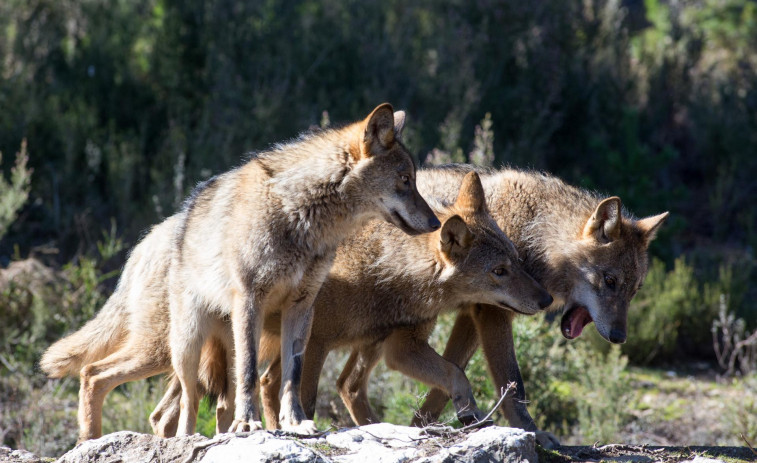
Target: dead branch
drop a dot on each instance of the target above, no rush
(446, 431)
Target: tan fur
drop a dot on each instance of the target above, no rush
(128, 339)
(568, 239)
(573, 242)
(383, 295)
(259, 240)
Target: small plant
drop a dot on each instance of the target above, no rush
(14, 194)
(735, 348)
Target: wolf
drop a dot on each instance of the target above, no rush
(383, 295)
(584, 248)
(260, 239)
(128, 338)
(253, 241)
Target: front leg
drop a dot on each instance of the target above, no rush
(246, 322)
(296, 322)
(461, 345)
(295, 330)
(495, 330)
(407, 351)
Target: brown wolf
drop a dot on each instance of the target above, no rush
(383, 295)
(588, 252)
(256, 240)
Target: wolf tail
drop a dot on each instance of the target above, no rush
(94, 341)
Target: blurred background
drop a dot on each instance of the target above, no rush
(110, 111)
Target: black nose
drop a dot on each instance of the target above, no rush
(617, 336)
(546, 301)
(434, 223)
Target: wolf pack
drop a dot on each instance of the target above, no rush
(336, 241)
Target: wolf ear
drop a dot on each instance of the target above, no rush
(399, 124)
(604, 224)
(650, 225)
(455, 237)
(471, 197)
(379, 129)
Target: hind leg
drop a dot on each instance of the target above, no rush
(189, 329)
(165, 418)
(225, 405)
(353, 383)
(99, 378)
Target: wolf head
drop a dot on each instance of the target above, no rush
(484, 261)
(611, 258)
(388, 172)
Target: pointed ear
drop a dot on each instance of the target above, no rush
(399, 124)
(455, 238)
(650, 225)
(604, 224)
(379, 130)
(471, 197)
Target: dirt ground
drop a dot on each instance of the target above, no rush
(643, 454)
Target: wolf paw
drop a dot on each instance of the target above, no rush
(547, 440)
(472, 416)
(244, 426)
(306, 427)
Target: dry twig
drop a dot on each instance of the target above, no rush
(445, 431)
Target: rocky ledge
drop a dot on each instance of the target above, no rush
(375, 443)
(381, 442)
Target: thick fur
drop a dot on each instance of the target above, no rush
(128, 339)
(259, 240)
(588, 252)
(383, 296)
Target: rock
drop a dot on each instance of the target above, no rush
(18, 456)
(701, 459)
(381, 442)
(128, 447)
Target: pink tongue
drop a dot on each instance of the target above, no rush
(580, 318)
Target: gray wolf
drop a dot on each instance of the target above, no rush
(585, 249)
(260, 239)
(297, 201)
(383, 295)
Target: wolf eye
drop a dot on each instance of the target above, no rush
(405, 179)
(499, 271)
(610, 281)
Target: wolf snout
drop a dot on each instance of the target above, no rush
(617, 336)
(546, 301)
(434, 223)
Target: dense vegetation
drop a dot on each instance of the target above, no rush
(126, 104)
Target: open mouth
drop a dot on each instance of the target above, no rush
(574, 320)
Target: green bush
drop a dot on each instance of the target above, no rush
(14, 194)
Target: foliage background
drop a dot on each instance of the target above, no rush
(126, 104)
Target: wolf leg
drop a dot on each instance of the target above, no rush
(494, 326)
(353, 383)
(165, 418)
(246, 324)
(130, 363)
(226, 404)
(315, 356)
(295, 330)
(407, 351)
(462, 344)
(270, 384)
